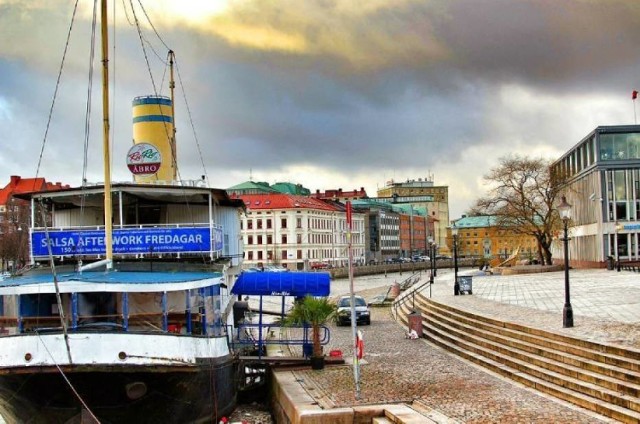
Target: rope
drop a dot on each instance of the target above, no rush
(55, 93)
(87, 118)
(64, 376)
(193, 128)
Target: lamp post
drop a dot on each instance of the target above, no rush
(564, 209)
(618, 228)
(431, 261)
(456, 284)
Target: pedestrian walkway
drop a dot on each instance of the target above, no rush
(606, 307)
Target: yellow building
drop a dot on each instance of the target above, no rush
(480, 237)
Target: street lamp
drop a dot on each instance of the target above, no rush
(431, 261)
(618, 228)
(456, 284)
(564, 209)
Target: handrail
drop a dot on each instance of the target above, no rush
(403, 299)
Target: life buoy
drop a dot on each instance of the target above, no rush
(359, 345)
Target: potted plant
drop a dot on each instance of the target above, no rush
(313, 311)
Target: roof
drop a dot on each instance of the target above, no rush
(252, 187)
(283, 201)
(120, 281)
(94, 194)
(476, 221)
(19, 185)
(296, 284)
(291, 188)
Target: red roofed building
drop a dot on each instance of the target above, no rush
(15, 217)
(298, 232)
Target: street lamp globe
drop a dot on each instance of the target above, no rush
(564, 208)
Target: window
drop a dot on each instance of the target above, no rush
(269, 239)
(298, 222)
(250, 240)
(260, 255)
(299, 238)
(270, 255)
(269, 223)
(250, 255)
(283, 222)
(259, 239)
(299, 254)
(284, 254)
(284, 239)
(259, 223)
(249, 224)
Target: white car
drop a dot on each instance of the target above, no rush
(363, 315)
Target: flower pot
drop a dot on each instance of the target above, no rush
(317, 362)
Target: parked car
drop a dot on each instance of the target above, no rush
(273, 268)
(443, 257)
(320, 265)
(363, 315)
(424, 259)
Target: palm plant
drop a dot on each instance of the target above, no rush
(315, 312)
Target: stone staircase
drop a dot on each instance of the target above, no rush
(602, 378)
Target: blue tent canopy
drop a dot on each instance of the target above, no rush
(296, 284)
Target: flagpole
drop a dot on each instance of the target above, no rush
(356, 359)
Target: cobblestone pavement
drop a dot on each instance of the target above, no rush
(606, 308)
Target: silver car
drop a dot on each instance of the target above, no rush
(363, 315)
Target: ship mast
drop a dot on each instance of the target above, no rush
(108, 225)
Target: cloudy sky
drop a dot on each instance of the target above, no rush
(326, 93)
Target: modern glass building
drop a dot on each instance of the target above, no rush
(602, 182)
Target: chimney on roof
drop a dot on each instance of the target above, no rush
(340, 191)
(58, 184)
(15, 179)
(317, 191)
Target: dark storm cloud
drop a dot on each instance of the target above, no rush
(352, 88)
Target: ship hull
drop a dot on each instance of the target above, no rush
(198, 393)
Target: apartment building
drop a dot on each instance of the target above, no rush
(294, 231)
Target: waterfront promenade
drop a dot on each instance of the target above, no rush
(445, 388)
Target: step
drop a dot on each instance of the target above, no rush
(625, 352)
(613, 411)
(558, 361)
(600, 353)
(506, 357)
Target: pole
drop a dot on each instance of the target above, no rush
(456, 285)
(567, 311)
(354, 333)
(432, 261)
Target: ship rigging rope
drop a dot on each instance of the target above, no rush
(55, 92)
(87, 118)
(181, 86)
(171, 59)
(64, 376)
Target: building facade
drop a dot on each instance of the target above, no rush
(601, 180)
(422, 193)
(480, 237)
(295, 231)
(16, 217)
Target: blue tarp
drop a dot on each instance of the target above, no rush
(296, 284)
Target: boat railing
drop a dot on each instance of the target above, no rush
(172, 323)
(277, 334)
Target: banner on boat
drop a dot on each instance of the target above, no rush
(129, 241)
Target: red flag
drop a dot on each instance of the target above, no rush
(634, 95)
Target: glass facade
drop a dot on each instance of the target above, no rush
(619, 146)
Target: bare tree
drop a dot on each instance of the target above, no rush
(522, 197)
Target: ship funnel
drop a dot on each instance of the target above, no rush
(153, 155)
